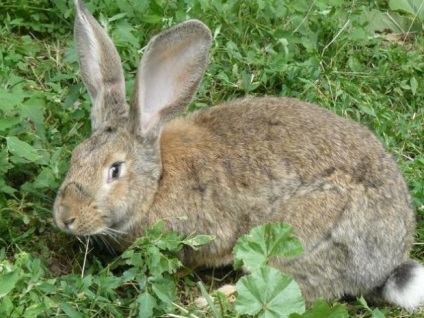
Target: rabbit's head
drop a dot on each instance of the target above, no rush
(114, 173)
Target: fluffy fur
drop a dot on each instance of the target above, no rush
(405, 286)
(231, 167)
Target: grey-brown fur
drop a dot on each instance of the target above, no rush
(232, 167)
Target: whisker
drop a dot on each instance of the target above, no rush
(115, 231)
(110, 248)
(115, 236)
(106, 244)
(97, 239)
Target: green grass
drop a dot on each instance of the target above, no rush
(322, 51)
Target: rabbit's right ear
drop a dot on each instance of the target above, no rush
(169, 75)
(101, 67)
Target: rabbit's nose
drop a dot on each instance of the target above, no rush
(68, 222)
(66, 216)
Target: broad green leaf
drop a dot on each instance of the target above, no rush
(118, 16)
(198, 240)
(126, 8)
(159, 263)
(69, 310)
(22, 149)
(5, 188)
(414, 85)
(413, 7)
(33, 109)
(48, 286)
(7, 307)
(268, 293)
(170, 241)
(376, 313)
(164, 289)
(147, 303)
(264, 242)
(388, 21)
(156, 230)
(368, 110)
(151, 19)
(248, 85)
(37, 309)
(8, 122)
(8, 100)
(5, 164)
(320, 309)
(8, 282)
(140, 6)
(45, 179)
(123, 34)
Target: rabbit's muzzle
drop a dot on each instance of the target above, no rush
(74, 213)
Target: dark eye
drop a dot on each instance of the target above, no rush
(114, 171)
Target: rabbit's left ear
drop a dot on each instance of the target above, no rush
(169, 75)
(101, 68)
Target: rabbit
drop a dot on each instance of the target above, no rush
(231, 167)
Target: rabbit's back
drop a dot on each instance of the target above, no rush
(252, 161)
(231, 167)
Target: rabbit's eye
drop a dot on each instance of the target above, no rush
(114, 171)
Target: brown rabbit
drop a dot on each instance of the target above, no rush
(232, 167)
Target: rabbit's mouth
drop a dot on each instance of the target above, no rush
(113, 237)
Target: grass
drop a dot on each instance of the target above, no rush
(323, 51)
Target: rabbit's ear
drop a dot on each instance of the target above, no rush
(169, 75)
(100, 67)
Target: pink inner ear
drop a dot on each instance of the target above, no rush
(166, 72)
(170, 73)
(165, 75)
